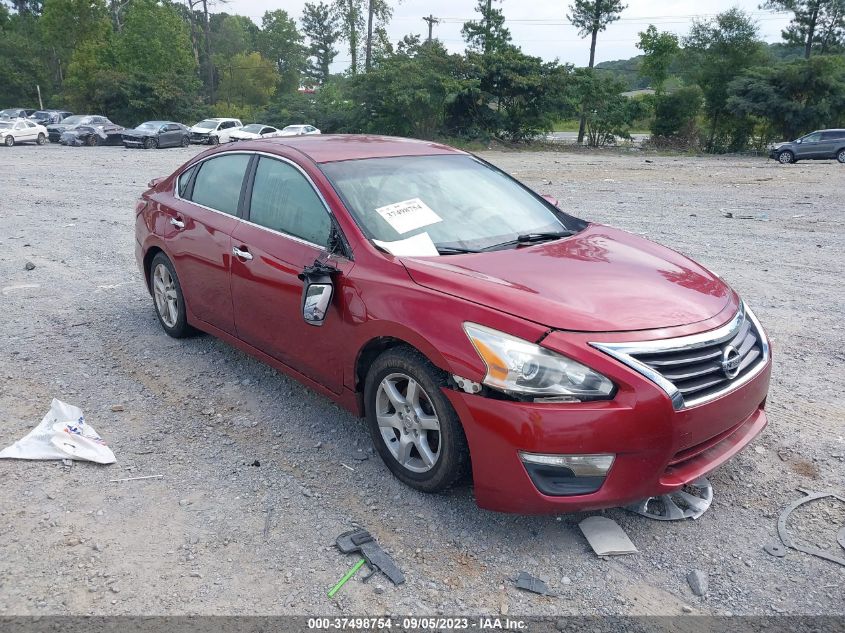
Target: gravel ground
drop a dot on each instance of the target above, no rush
(220, 534)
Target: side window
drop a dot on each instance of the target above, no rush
(812, 138)
(832, 136)
(266, 130)
(184, 179)
(227, 124)
(218, 182)
(172, 127)
(284, 200)
(30, 124)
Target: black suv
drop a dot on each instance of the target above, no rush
(818, 145)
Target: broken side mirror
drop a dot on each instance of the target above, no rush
(317, 292)
(550, 199)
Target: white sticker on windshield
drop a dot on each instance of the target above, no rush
(416, 246)
(408, 215)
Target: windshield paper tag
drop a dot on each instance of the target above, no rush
(408, 215)
(416, 246)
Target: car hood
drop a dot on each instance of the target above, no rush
(202, 130)
(139, 133)
(240, 134)
(600, 280)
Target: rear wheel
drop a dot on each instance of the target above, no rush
(841, 156)
(413, 425)
(786, 157)
(168, 298)
(10, 141)
(41, 138)
(186, 141)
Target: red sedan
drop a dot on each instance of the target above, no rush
(475, 325)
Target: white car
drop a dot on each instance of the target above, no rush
(21, 131)
(253, 131)
(299, 130)
(214, 131)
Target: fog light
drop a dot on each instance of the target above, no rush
(563, 475)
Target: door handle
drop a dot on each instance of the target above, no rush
(242, 254)
(177, 223)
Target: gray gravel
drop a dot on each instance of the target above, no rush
(79, 326)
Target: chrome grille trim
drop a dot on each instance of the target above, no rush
(743, 330)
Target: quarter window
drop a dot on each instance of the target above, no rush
(218, 183)
(284, 200)
(184, 179)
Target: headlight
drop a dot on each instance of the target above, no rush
(521, 367)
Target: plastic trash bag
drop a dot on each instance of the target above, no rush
(62, 434)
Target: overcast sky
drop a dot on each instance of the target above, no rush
(540, 26)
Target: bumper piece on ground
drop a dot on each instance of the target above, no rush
(689, 502)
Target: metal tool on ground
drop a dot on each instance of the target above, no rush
(362, 541)
(346, 577)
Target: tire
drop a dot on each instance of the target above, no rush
(41, 139)
(429, 459)
(93, 140)
(186, 141)
(786, 157)
(841, 156)
(168, 300)
(150, 143)
(213, 140)
(10, 141)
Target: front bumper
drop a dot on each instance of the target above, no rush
(658, 449)
(200, 139)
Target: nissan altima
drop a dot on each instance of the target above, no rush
(476, 326)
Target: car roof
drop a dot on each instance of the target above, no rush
(217, 118)
(327, 148)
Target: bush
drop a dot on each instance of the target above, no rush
(675, 117)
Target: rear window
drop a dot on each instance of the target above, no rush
(218, 182)
(830, 136)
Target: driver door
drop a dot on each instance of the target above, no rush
(809, 147)
(286, 229)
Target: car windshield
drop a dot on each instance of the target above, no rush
(207, 125)
(72, 120)
(252, 127)
(293, 128)
(149, 125)
(10, 112)
(456, 202)
(5, 125)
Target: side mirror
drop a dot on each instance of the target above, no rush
(800, 140)
(317, 292)
(551, 200)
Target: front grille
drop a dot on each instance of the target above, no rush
(196, 136)
(698, 368)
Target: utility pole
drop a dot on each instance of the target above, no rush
(40, 103)
(431, 20)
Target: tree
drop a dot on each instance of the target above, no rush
(281, 42)
(717, 52)
(659, 51)
(248, 80)
(22, 60)
(232, 34)
(607, 112)
(350, 16)
(675, 115)
(66, 24)
(320, 27)
(794, 97)
(592, 17)
(489, 34)
(815, 23)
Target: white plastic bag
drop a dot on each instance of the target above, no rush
(62, 434)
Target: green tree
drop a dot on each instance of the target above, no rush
(350, 16)
(320, 27)
(717, 52)
(281, 42)
(792, 98)
(675, 115)
(248, 80)
(379, 13)
(659, 51)
(22, 63)
(488, 34)
(815, 24)
(607, 112)
(66, 24)
(592, 17)
(232, 34)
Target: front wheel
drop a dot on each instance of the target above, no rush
(93, 140)
(10, 141)
(150, 143)
(841, 156)
(41, 138)
(786, 157)
(168, 298)
(413, 425)
(214, 140)
(186, 141)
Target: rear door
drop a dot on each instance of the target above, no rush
(286, 229)
(170, 136)
(201, 217)
(827, 145)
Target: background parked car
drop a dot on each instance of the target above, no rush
(214, 131)
(20, 131)
(48, 117)
(95, 134)
(15, 113)
(55, 131)
(299, 130)
(253, 131)
(818, 145)
(153, 134)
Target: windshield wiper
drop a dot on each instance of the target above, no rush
(532, 238)
(454, 250)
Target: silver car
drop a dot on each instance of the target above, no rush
(818, 145)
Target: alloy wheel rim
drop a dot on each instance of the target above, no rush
(165, 295)
(408, 423)
(842, 156)
(785, 158)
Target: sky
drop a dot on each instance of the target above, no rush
(539, 27)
